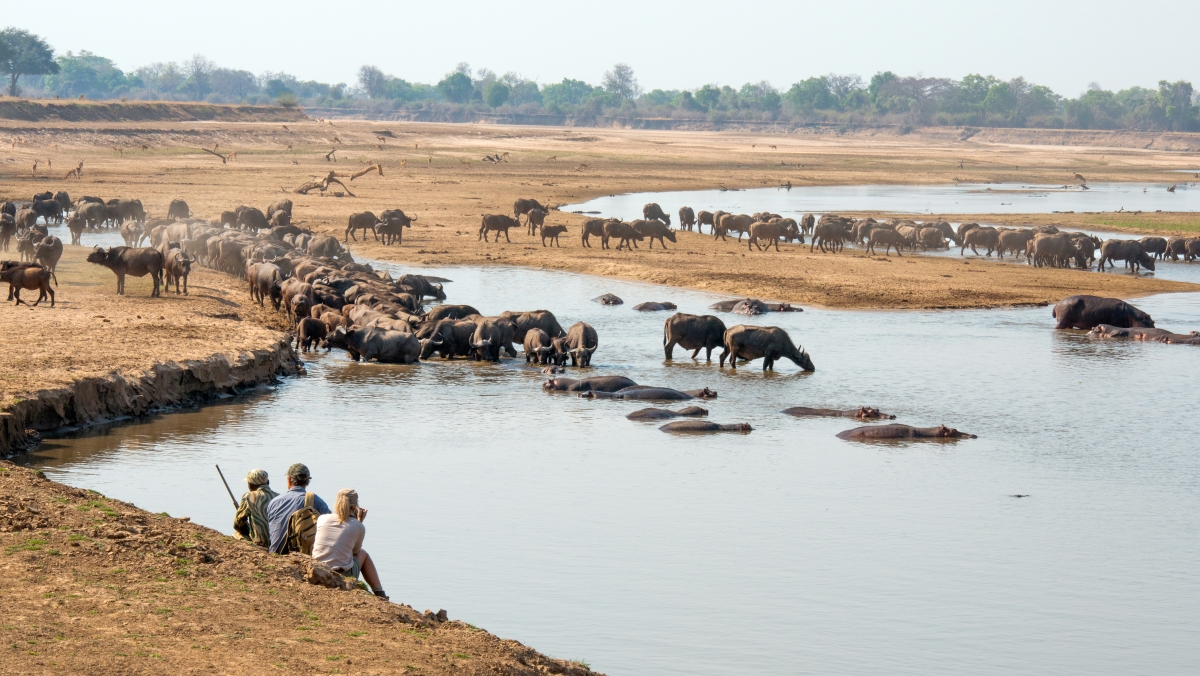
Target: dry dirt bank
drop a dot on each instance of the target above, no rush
(96, 355)
(95, 585)
(124, 111)
(435, 171)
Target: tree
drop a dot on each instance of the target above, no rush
(566, 94)
(88, 74)
(707, 96)
(760, 96)
(878, 82)
(621, 82)
(456, 87)
(23, 53)
(198, 71)
(496, 94)
(233, 85)
(372, 81)
(843, 87)
(813, 93)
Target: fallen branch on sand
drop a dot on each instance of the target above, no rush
(213, 152)
(323, 185)
(364, 172)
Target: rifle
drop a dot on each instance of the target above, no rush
(235, 502)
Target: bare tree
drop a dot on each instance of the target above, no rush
(372, 81)
(923, 94)
(844, 85)
(198, 73)
(621, 81)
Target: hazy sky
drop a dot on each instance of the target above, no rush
(1065, 45)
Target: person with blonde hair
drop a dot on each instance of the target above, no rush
(339, 541)
(250, 522)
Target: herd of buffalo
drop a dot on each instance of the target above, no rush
(334, 301)
(1043, 246)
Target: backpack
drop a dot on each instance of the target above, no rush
(302, 527)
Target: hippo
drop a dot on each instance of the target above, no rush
(1136, 333)
(860, 413)
(608, 299)
(654, 307)
(553, 369)
(895, 431)
(753, 306)
(1085, 312)
(597, 384)
(703, 426)
(651, 394)
(664, 413)
(750, 307)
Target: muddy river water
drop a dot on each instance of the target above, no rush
(556, 521)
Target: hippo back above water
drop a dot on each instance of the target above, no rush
(1085, 312)
(597, 384)
(894, 431)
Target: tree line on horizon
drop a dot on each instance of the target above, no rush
(33, 69)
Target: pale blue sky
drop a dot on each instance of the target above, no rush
(1064, 45)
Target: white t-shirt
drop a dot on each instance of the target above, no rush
(337, 542)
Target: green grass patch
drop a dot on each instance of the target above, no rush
(30, 545)
(462, 656)
(356, 634)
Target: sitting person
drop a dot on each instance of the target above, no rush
(339, 541)
(279, 512)
(250, 522)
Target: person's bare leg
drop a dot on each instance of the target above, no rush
(370, 575)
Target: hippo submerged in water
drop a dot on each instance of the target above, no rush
(654, 307)
(752, 306)
(1085, 312)
(703, 426)
(651, 394)
(860, 413)
(903, 432)
(609, 299)
(665, 413)
(597, 384)
(1157, 335)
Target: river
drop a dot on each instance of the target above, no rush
(953, 198)
(556, 521)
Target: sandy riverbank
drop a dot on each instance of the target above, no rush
(435, 171)
(95, 585)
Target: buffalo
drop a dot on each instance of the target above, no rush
(687, 218)
(284, 205)
(497, 223)
(8, 228)
(622, 231)
(310, 332)
(386, 347)
(534, 219)
(579, 344)
(1130, 251)
(769, 343)
(538, 348)
(364, 220)
(178, 209)
(48, 252)
(592, 227)
(29, 277)
(889, 238)
(653, 230)
(693, 332)
(653, 212)
(523, 206)
(526, 321)
(552, 232)
(123, 260)
(980, 236)
(177, 265)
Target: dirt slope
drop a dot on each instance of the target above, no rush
(94, 585)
